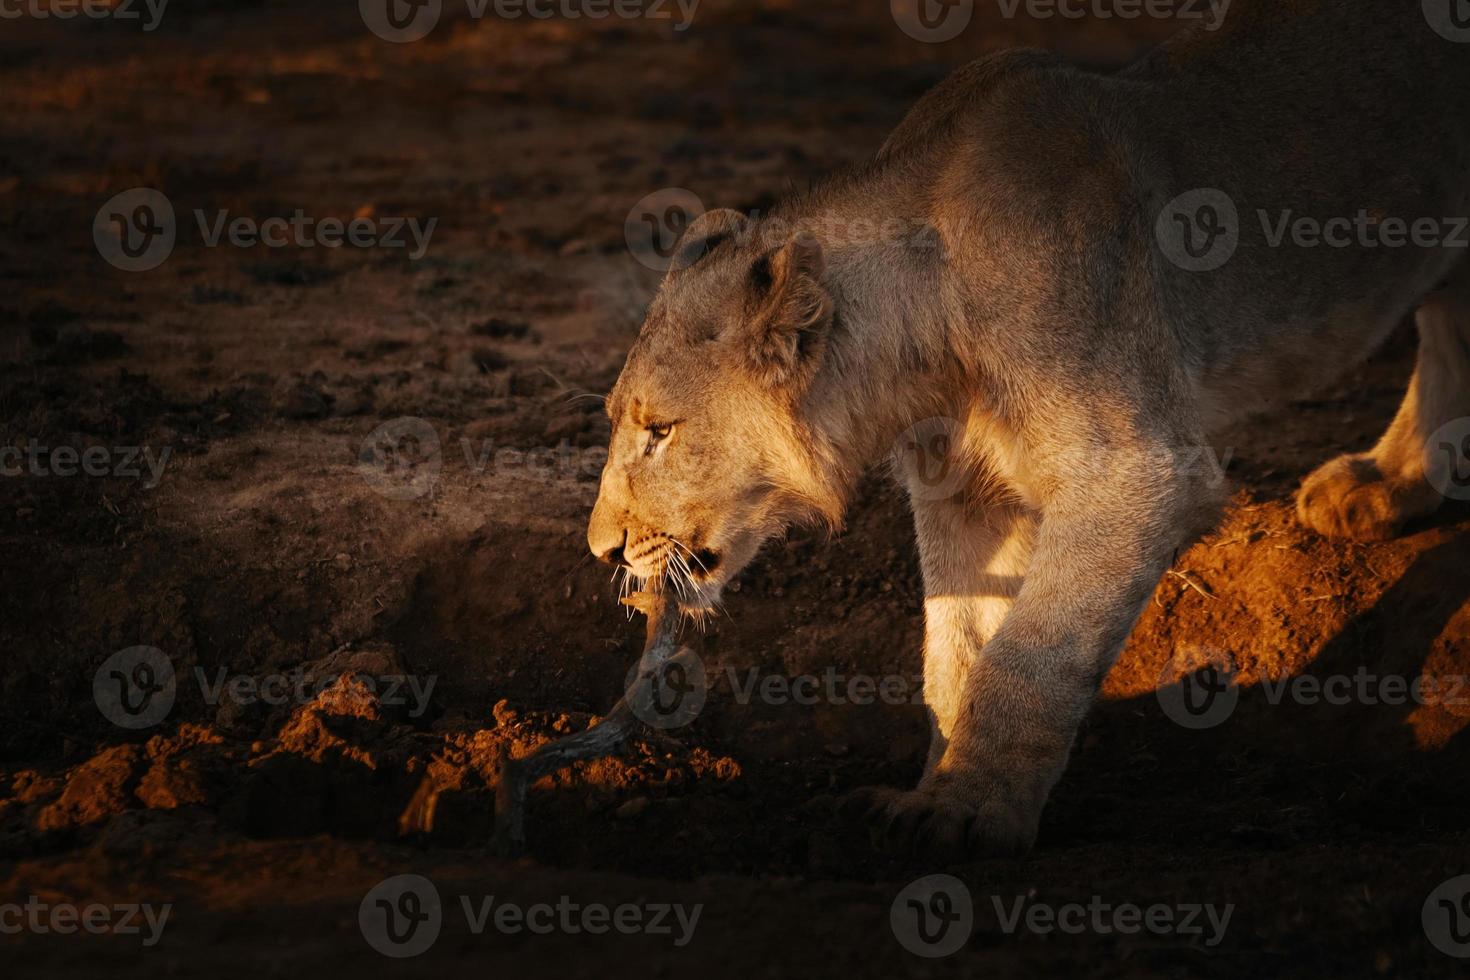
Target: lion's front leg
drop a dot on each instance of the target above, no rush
(1006, 715)
(973, 563)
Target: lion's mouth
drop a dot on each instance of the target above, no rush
(665, 559)
(705, 562)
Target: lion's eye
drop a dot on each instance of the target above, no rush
(658, 433)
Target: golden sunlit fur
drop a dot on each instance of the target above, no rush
(987, 304)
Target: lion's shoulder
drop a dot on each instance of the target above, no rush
(963, 91)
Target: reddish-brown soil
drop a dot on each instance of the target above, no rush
(264, 549)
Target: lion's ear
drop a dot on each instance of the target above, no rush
(793, 312)
(704, 233)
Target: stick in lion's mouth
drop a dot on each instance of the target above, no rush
(601, 739)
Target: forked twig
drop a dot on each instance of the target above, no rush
(601, 739)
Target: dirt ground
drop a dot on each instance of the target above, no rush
(276, 543)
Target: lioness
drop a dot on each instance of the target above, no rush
(1079, 337)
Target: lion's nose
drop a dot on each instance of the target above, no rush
(612, 555)
(606, 537)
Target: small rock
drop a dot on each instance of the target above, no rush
(576, 246)
(99, 788)
(632, 809)
(564, 428)
(304, 401)
(501, 328)
(824, 854)
(505, 716)
(170, 785)
(529, 382)
(488, 360)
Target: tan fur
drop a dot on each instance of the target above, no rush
(996, 266)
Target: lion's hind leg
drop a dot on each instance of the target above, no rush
(1370, 496)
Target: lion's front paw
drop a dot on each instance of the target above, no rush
(947, 819)
(1349, 497)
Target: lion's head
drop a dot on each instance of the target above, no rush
(711, 453)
